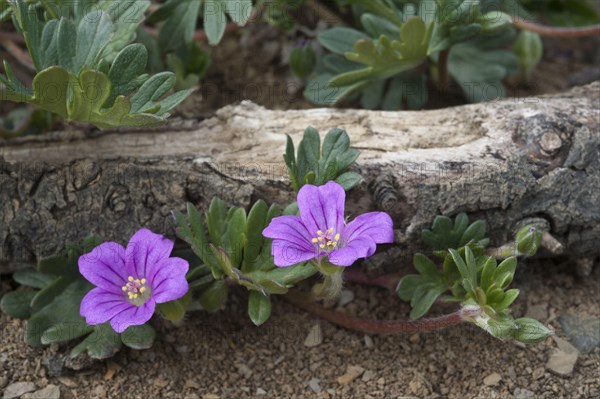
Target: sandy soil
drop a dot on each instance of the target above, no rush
(223, 355)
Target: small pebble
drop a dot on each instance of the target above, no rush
(314, 337)
(367, 375)
(562, 363)
(352, 373)
(314, 385)
(49, 392)
(18, 388)
(368, 342)
(260, 392)
(492, 379)
(345, 298)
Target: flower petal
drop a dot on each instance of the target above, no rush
(289, 228)
(167, 279)
(104, 266)
(377, 226)
(322, 207)
(99, 305)
(360, 247)
(145, 249)
(133, 316)
(289, 253)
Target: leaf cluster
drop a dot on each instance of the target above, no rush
(86, 69)
(231, 246)
(316, 164)
(468, 274)
(385, 60)
(51, 307)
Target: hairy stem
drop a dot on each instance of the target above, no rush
(305, 302)
(553, 31)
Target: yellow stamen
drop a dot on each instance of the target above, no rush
(143, 281)
(337, 237)
(319, 233)
(130, 278)
(124, 288)
(315, 240)
(322, 246)
(142, 290)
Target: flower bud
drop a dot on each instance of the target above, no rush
(530, 331)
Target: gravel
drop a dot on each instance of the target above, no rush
(449, 364)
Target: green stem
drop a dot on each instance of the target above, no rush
(305, 302)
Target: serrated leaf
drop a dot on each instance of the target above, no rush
(259, 307)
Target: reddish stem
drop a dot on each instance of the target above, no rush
(304, 301)
(388, 281)
(553, 31)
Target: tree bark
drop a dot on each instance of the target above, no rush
(509, 162)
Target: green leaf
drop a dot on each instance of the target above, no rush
(214, 21)
(172, 310)
(480, 65)
(32, 278)
(529, 239)
(138, 337)
(103, 343)
(259, 307)
(309, 151)
(239, 10)
(487, 273)
(424, 265)
(348, 180)
(424, 303)
(66, 331)
(460, 264)
(180, 25)
(236, 235)
(126, 15)
(509, 297)
(215, 216)
(214, 297)
(529, 50)
(16, 303)
(505, 271)
(93, 35)
(127, 71)
(145, 100)
(51, 291)
(254, 238)
(476, 231)
(340, 40)
(407, 286)
(376, 26)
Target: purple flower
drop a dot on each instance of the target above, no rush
(321, 231)
(130, 282)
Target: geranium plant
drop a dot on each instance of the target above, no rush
(105, 295)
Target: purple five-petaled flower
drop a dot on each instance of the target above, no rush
(320, 230)
(131, 281)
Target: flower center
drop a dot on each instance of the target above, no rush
(136, 290)
(327, 241)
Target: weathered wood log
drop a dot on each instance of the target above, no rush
(508, 162)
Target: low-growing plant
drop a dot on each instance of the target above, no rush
(102, 295)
